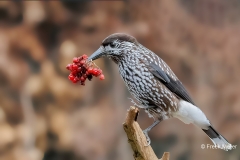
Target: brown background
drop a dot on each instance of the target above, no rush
(42, 114)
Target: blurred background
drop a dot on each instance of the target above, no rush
(44, 116)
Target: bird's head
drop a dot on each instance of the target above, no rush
(114, 46)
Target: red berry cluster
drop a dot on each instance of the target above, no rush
(82, 70)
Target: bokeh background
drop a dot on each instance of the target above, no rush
(44, 116)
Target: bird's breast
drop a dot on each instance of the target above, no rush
(136, 78)
(145, 87)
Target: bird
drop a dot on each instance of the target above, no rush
(154, 85)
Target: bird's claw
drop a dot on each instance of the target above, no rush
(147, 137)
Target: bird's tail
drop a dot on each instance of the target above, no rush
(218, 140)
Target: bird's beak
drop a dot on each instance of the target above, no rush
(97, 54)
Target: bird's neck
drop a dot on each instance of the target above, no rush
(115, 59)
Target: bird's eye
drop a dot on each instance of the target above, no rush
(112, 45)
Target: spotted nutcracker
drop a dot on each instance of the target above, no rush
(154, 85)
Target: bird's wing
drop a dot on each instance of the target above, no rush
(158, 72)
(174, 86)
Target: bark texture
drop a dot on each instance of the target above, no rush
(137, 139)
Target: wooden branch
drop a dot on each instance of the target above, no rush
(137, 139)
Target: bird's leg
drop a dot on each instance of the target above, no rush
(148, 129)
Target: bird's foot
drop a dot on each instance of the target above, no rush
(147, 137)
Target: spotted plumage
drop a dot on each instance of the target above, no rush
(144, 86)
(154, 85)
